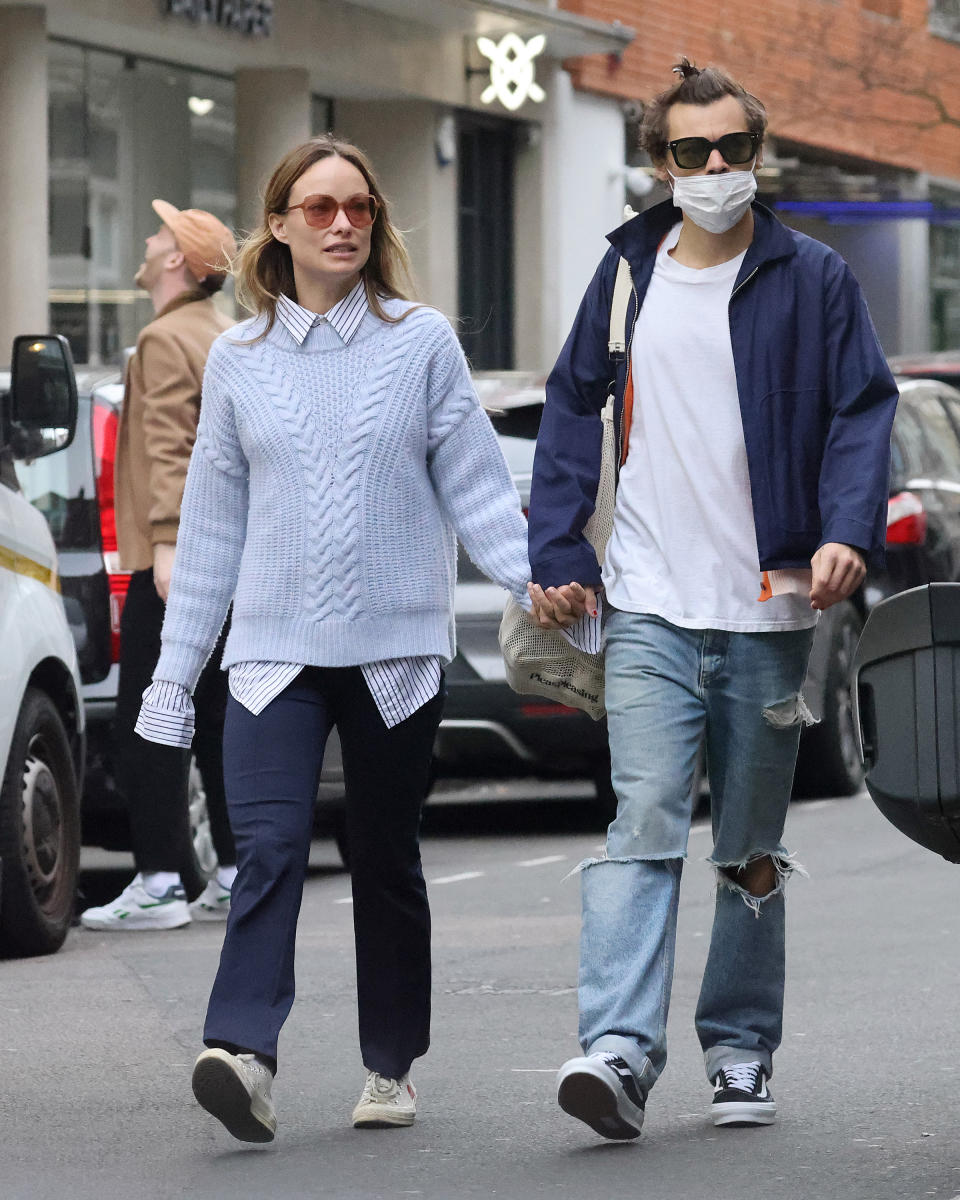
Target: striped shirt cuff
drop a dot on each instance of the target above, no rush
(166, 715)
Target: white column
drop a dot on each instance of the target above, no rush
(23, 173)
(273, 116)
(913, 281)
(570, 194)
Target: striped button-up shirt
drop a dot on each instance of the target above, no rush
(399, 686)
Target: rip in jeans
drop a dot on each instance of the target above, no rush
(787, 713)
(783, 864)
(622, 860)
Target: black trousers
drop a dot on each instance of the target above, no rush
(154, 778)
(272, 764)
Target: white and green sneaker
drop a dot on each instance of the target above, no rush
(213, 903)
(135, 909)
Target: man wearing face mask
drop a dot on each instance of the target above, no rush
(753, 416)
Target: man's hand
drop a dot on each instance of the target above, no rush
(838, 571)
(559, 608)
(163, 554)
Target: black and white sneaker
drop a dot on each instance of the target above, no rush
(741, 1096)
(601, 1090)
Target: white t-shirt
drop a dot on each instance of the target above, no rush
(684, 545)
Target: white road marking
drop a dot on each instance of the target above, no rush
(703, 827)
(542, 862)
(456, 878)
(344, 900)
(813, 805)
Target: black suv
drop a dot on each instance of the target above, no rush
(923, 545)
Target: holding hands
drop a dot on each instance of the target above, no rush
(561, 607)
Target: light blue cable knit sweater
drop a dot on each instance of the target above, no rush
(325, 492)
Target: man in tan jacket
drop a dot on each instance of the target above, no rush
(184, 266)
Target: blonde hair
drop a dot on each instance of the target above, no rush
(263, 267)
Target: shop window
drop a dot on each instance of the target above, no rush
(486, 154)
(945, 286)
(945, 18)
(321, 115)
(123, 131)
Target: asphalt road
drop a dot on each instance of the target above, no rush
(96, 1042)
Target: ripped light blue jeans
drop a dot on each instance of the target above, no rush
(669, 691)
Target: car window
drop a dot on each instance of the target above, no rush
(951, 402)
(63, 488)
(942, 448)
(907, 446)
(521, 422)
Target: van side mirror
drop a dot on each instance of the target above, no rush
(42, 410)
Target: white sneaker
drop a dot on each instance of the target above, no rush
(136, 909)
(235, 1088)
(213, 903)
(385, 1101)
(601, 1090)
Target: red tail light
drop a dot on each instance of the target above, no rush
(105, 425)
(906, 520)
(548, 710)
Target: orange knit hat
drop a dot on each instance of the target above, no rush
(207, 244)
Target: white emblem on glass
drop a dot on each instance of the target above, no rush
(512, 70)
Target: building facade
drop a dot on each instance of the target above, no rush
(864, 152)
(491, 157)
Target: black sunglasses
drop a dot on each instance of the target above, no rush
(691, 153)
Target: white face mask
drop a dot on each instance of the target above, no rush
(714, 202)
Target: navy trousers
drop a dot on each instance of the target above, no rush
(271, 769)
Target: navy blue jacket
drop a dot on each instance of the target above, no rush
(816, 396)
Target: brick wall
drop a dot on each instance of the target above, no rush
(847, 75)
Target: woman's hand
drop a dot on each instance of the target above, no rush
(561, 607)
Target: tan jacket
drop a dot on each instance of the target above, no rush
(158, 423)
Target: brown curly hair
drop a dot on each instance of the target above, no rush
(695, 86)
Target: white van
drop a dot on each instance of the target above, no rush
(41, 717)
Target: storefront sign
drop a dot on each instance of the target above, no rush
(512, 70)
(245, 16)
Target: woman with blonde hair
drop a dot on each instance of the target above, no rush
(341, 450)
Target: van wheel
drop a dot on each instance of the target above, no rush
(39, 832)
(829, 763)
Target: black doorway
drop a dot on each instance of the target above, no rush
(486, 154)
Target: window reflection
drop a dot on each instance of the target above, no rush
(122, 132)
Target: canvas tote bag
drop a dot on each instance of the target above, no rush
(541, 662)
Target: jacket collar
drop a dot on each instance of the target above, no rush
(187, 297)
(637, 239)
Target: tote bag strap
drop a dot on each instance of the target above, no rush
(623, 286)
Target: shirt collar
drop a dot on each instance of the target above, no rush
(345, 316)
